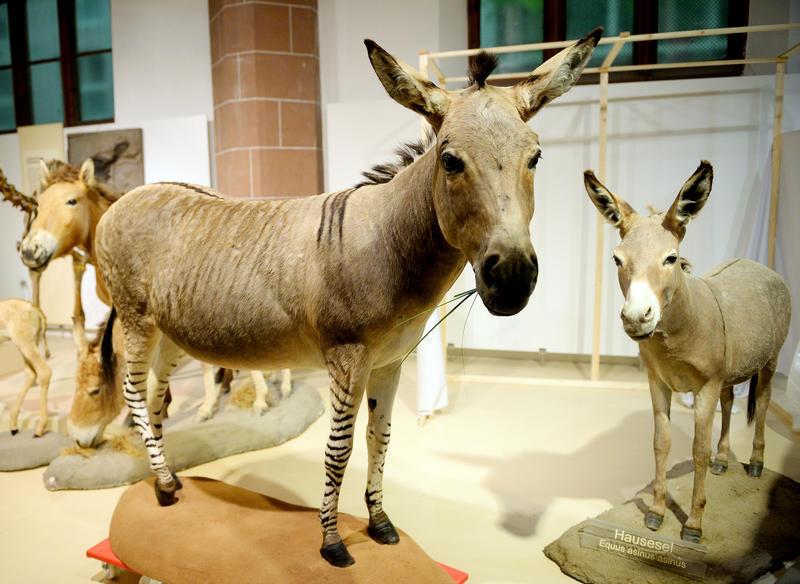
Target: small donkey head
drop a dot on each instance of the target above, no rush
(647, 258)
(486, 158)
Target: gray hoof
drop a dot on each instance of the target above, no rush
(719, 467)
(653, 520)
(691, 535)
(754, 469)
(383, 533)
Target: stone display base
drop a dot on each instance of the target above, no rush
(749, 527)
(22, 451)
(188, 443)
(217, 532)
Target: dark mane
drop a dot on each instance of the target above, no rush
(480, 67)
(406, 153)
(64, 172)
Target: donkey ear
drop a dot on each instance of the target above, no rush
(407, 87)
(44, 174)
(690, 200)
(86, 172)
(615, 209)
(555, 76)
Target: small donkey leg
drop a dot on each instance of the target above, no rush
(381, 391)
(78, 269)
(30, 378)
(260, 385)
(661, 396)
(212, 392)
(348, 371)
(720, 464)
(704, 405)
(763, 391)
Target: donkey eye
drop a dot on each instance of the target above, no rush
(94, 390)
(617, 261)
(72, 202)
(671, 259)
(451, 163)
(534, 160)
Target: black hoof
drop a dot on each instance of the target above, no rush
(383, 532)
(653, 520)
(719, 467)
(337, 555)
(14, 432)
(165, 499)
(754, 469)
(691, 535)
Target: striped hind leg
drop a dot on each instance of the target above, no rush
(763, 393)
(381, 391)
(141, 342)
(165, 360)
(348, 372)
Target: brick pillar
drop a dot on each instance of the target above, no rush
(267, 120)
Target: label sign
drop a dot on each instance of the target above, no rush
(681, 557)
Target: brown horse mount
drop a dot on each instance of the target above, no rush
(702, 335)
(332, 281)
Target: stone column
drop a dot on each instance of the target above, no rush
(267, 117)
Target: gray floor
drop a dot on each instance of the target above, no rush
(483, 486)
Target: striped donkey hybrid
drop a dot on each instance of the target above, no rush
(702, 335)
(334, 281)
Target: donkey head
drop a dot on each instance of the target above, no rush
(486, 160)
(63, 219)
(648, 262)
(95, 404)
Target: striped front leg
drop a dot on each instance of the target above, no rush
(381, 391)
(348, 373)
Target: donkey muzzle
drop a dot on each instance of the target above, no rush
(37, 250)
(505, 283)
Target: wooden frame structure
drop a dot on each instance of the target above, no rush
(428, 64)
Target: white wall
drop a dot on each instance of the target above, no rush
(658, 132)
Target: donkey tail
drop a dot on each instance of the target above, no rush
(751, 399)
(107, 346)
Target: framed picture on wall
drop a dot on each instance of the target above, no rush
(117, 156)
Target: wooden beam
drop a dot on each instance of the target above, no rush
(600, 241)
(631, 39)
(777, 129)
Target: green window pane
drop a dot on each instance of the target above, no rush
(7, 119)
(615, 16)
(92, 25)
(5, 43)
(42, 23)
(46, 97)
(513, 22)
(96, 83)
(692, 15)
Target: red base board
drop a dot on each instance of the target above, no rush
(103, 552)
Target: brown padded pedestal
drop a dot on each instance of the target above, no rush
(220, 533)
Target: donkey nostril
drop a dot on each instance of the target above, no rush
(488, 268)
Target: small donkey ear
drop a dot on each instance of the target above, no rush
(615, 209)
(690, 200)
(555, 76)
(44, 174)
(86, 172)
(407, 87)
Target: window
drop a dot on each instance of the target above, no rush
(55, 62)
(508, 22)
